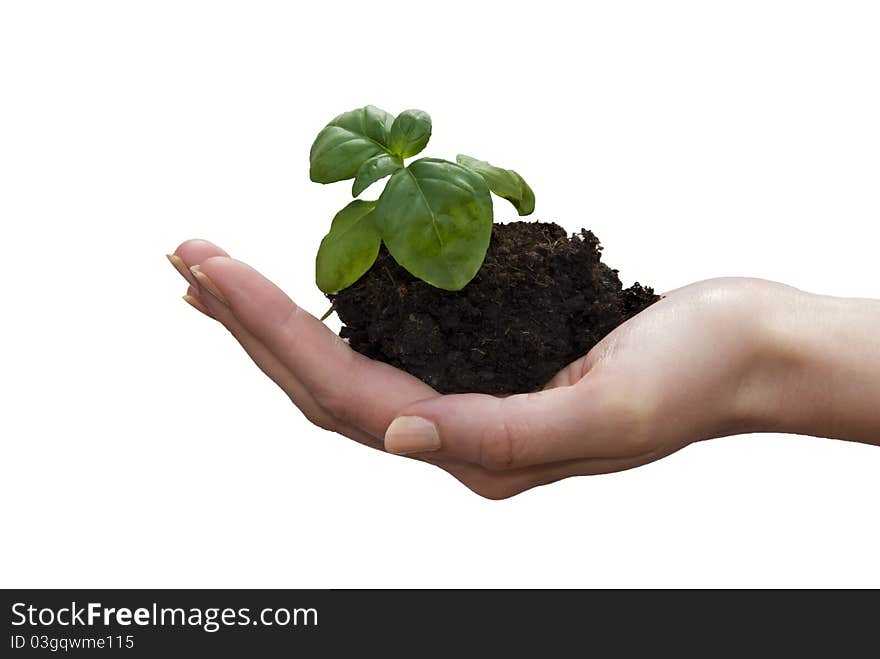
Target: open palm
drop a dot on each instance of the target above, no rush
(676, 373)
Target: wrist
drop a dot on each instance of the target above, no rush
(815, 366)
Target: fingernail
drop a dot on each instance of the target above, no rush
(411, 434)
(205, 282)
(180, 266)
(195, 304)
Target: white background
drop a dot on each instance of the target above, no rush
(140, 447)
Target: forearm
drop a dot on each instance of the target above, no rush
(820, 367)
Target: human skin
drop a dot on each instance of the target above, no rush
(715, 358)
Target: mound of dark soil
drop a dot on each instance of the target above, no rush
(540, 301)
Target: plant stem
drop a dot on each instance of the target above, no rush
(329, 311)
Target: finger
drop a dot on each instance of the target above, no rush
(191, 253)
(198, 250)
(192, 299)
(357, 391)
(591, 419)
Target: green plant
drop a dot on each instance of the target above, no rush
(434, 216)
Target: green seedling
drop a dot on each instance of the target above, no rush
(434, 216)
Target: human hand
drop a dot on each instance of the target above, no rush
(702, 362)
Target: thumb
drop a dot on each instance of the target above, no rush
(584, 420)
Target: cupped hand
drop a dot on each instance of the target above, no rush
(681, 371)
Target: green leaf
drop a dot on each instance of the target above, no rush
(526, 203)
(347, 142)
(435, 217)
(506, 183)
(377, 167)
(349, 249)
(410, 133)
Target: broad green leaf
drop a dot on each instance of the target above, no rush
(347, 142)
(349, 249)
(377, 167)
(410, 133)
(506, 183)
(435, 217)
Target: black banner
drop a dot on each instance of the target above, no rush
(150, 623)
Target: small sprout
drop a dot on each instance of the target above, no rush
(434, 216)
